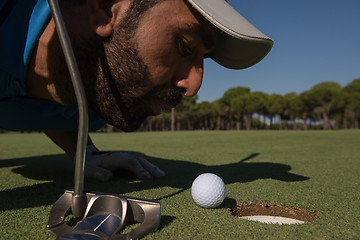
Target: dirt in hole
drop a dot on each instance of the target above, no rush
(272, 209)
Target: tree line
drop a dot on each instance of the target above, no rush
(327, 105)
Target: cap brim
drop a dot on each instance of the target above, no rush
(240, 44)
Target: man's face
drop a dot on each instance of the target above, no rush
(143, 70)
(172, 42)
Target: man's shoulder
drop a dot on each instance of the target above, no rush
(22, 113)
(21, 25)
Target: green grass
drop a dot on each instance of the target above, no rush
(316, 170)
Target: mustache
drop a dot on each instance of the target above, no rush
(171, 97)
(168, 96)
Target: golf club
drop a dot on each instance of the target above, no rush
(103, 215)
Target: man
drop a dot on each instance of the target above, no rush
(136, 59)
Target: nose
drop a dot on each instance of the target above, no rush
(191, 79)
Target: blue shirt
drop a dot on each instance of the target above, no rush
(21, 25)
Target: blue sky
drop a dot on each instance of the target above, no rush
(314, 41)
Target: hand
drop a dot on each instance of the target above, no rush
(100, 164)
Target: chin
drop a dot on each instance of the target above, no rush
(128, 124)
(130, 128)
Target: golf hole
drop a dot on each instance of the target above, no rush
(271, 213)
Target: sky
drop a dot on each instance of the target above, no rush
(314, 41)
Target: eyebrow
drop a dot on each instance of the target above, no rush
(206, 36)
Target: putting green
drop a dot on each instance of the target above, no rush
(314, 170)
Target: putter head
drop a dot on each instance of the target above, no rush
(105, 216)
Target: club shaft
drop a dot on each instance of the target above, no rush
(80, 96)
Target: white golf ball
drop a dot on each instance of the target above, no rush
(208, 190)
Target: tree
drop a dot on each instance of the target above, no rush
(228, 96)
(248, 104)
(220, 111)
(325, 96)
(338, 110)
(184, 112)
(260, 108)
(172, 119)
(275, 107)
(232, 93)
(352, 91)
(292, 107)
(204, 112)
(306, 107)
(237, 106)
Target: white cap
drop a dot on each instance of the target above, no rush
(239, 44)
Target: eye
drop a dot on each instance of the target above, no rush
(184, 47)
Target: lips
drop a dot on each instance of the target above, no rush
(165, 107)
(163, 100)
(158, 107)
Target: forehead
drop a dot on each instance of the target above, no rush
(170, 15)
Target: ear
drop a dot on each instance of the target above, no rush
(104, 14)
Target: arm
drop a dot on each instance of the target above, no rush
(65, 140)
(101, 164)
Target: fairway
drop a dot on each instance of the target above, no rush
(315, 170)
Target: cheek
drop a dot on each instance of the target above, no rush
(157, 51)
(161, 62)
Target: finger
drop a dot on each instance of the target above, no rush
(136, 165)
(151, 168)
(98, 173)
(138, 170)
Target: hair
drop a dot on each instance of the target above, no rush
(138, 5)
(133, 14)
(73, 3)
(136, 10)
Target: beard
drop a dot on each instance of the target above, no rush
(116, 81)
